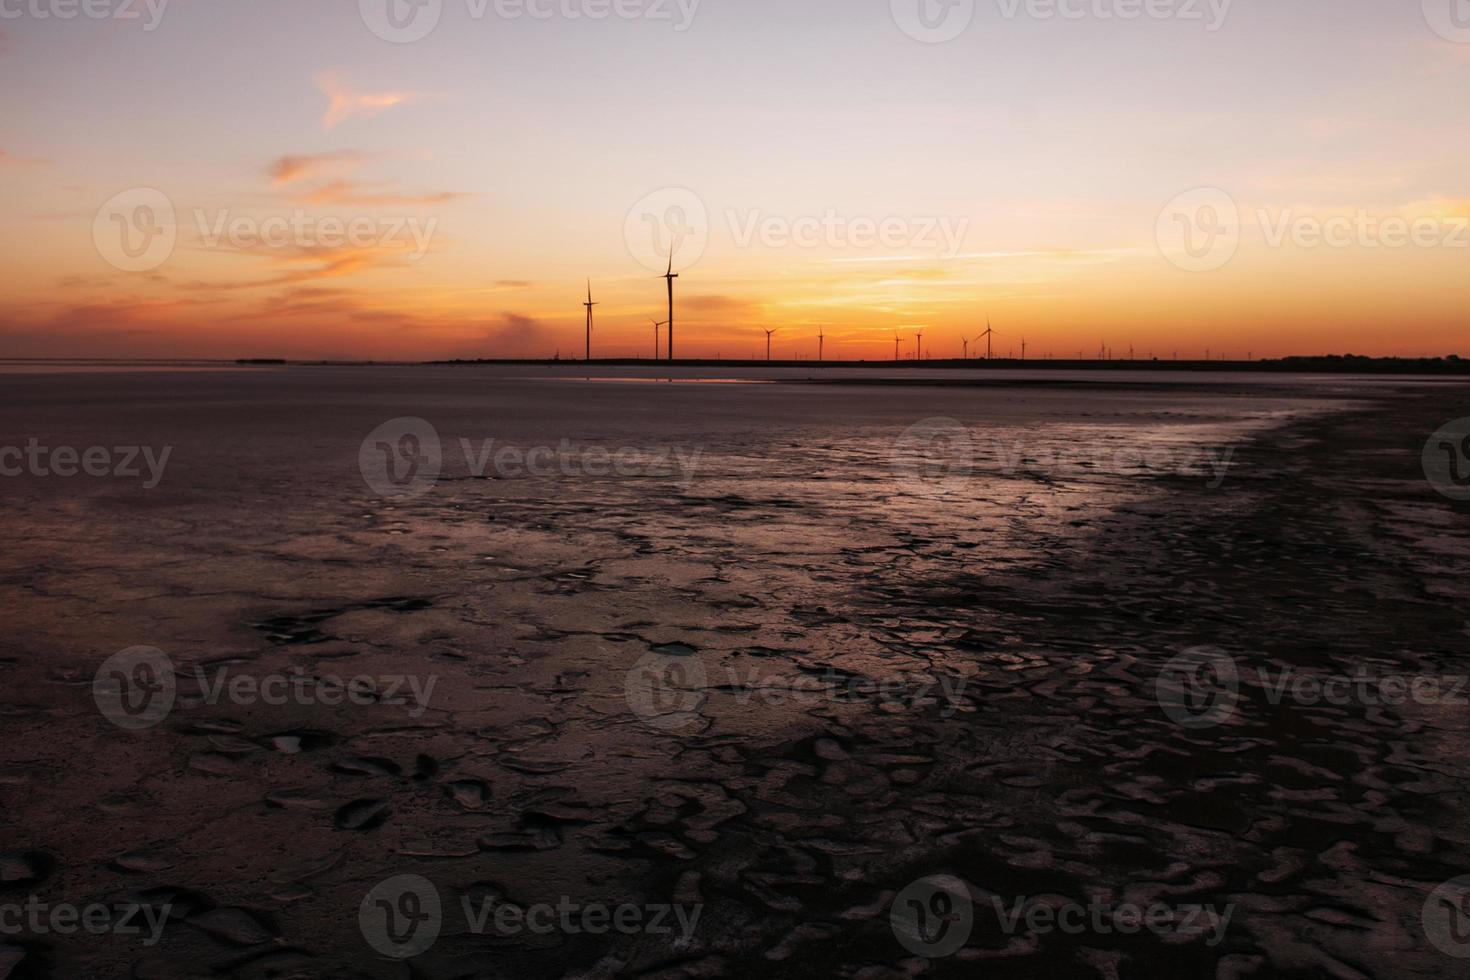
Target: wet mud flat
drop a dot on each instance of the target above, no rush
(867, 643)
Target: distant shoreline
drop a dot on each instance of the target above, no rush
(1333, 364)
(1327, 364)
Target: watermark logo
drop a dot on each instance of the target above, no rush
(136, 231)
(404, 457)
(1446, 460)
(1450, 19)
(401, 458)
(1199, 688)
(401, 21)
(933, 917)
(401, 917)
(138, 688)
(1199, 230)
(933, 21)
(934, 456)
(1446, 917)
(671, 222)
(666, 691)
(939, 456)
(135, 689)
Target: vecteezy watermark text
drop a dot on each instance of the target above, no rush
(404, 457)
(403, 916)
(301, 688)
(667, 690)
(934, 916)
(942, 235)
(942, 455)
(406, 21)
(1042, 916)
(37, 460)
(1204, 686)
(938, 21)
(121, 10)
(301, 230)
(1201, 230)
(138, 687)
(39, 918)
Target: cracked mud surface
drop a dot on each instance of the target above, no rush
(1019, 616)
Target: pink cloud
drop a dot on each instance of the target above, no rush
(344, 103)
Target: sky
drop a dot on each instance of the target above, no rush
(423, 179)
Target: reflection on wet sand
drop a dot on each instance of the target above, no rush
(857, 642)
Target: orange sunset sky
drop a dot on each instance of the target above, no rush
(180, 183)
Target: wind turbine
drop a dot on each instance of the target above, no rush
(989, 336)
(589, 304)
(821, 342)
(919, 346)
(768, 341)
(967, 347)
(1023, 348)
(669, 277)
(656, 325)
(895, 345)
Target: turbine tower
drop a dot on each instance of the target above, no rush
(656, 325)
(589, 304)
(895, 345)
(989, 336)
(821, 342)
(919, 346)
(669, 277)
(1023, 348)
(768, 342)
(967, 347)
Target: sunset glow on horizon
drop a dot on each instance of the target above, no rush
(319, 191)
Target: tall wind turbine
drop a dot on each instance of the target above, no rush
(669, 277)
(895, 345)
(1023, 348)
(989, 336)
(919, 346)
(768, 341)
(589, 304)
(821, 342)
(967, 347)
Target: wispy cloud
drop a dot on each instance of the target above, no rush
(344, 102)
(289, 169)
(309, 263)
(1061, 253)
(8, 159)
(336, 188)
(352, 192)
